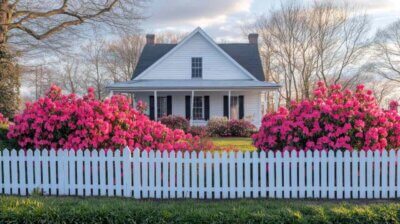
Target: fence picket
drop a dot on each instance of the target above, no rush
(95, 172)
(294, 174)
(232, 175)
(30, 171)
(384, 175)
(255, 177)
(202, 186)
(370, 174)
(279, 177)
(324, 174)
(179, 177)
(152, 174)
(363, 176)
(14, 172)
(302, 175)
(240, 186)
(156, 174)
(339, 175)
(263, 174)
(286, 174)
(312, 174)
(209, 167)
(21, 171)
(144, 161)
(217, 177)
(6, 172)
(354, 162)
(271, 175)
(224, 174)
(102, 173)
(392, 173)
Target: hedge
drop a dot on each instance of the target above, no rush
(118, 210)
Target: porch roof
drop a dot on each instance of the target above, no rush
(190, 84)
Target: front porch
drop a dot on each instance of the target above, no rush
(199, 104)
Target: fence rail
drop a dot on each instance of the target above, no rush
(216, 175)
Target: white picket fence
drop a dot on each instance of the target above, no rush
(334, 175)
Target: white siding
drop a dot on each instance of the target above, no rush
(178, 64)
(252, 109)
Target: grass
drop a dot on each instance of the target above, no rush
(118, 210)
(244, 144)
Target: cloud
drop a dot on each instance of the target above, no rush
(194, 12)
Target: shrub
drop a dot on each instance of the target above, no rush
(241, 128)
(200, 131)
(4, 141)
(67, 121)
(334, 119)
(218, 127)
(175, 122)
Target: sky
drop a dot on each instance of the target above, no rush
(223, 19)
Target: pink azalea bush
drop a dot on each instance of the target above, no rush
(335, 118)
(71, 122)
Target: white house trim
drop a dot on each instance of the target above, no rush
(181, 43)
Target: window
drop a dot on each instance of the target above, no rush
(198, 108)
(197, 67)
(161, 106)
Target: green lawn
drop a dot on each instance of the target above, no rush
(119, 210)
(244, 144)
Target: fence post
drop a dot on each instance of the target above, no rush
(127, 174)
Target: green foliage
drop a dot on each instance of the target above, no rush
(4, 141)
(114, 210)
(9, 84)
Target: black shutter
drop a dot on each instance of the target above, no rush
(187, 106)
(241, 107)
(226, 105)
(151, 107)
(169, 105)
(206, 108)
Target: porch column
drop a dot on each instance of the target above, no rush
(229, 105)
(276, 100)
(133, 100)
(155, 105)
(191, 108)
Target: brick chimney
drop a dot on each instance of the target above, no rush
(253, 38)
(150, 39)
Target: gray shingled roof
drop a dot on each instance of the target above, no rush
(246, 55)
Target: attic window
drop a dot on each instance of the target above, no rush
(197, 67)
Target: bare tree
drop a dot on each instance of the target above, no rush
(386, 58)
(26, 25)
(95, 72)
(71, 78)
(122, 55)
(39, 78)
(169, 37)
(302, 44)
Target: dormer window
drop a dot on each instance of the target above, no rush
(197, 67)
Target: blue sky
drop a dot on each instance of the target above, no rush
(223, 19)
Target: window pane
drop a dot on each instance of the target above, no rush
(198, 108)
(197, 67)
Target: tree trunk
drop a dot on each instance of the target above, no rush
(9, 72)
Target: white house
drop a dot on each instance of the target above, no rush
(199, 79)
